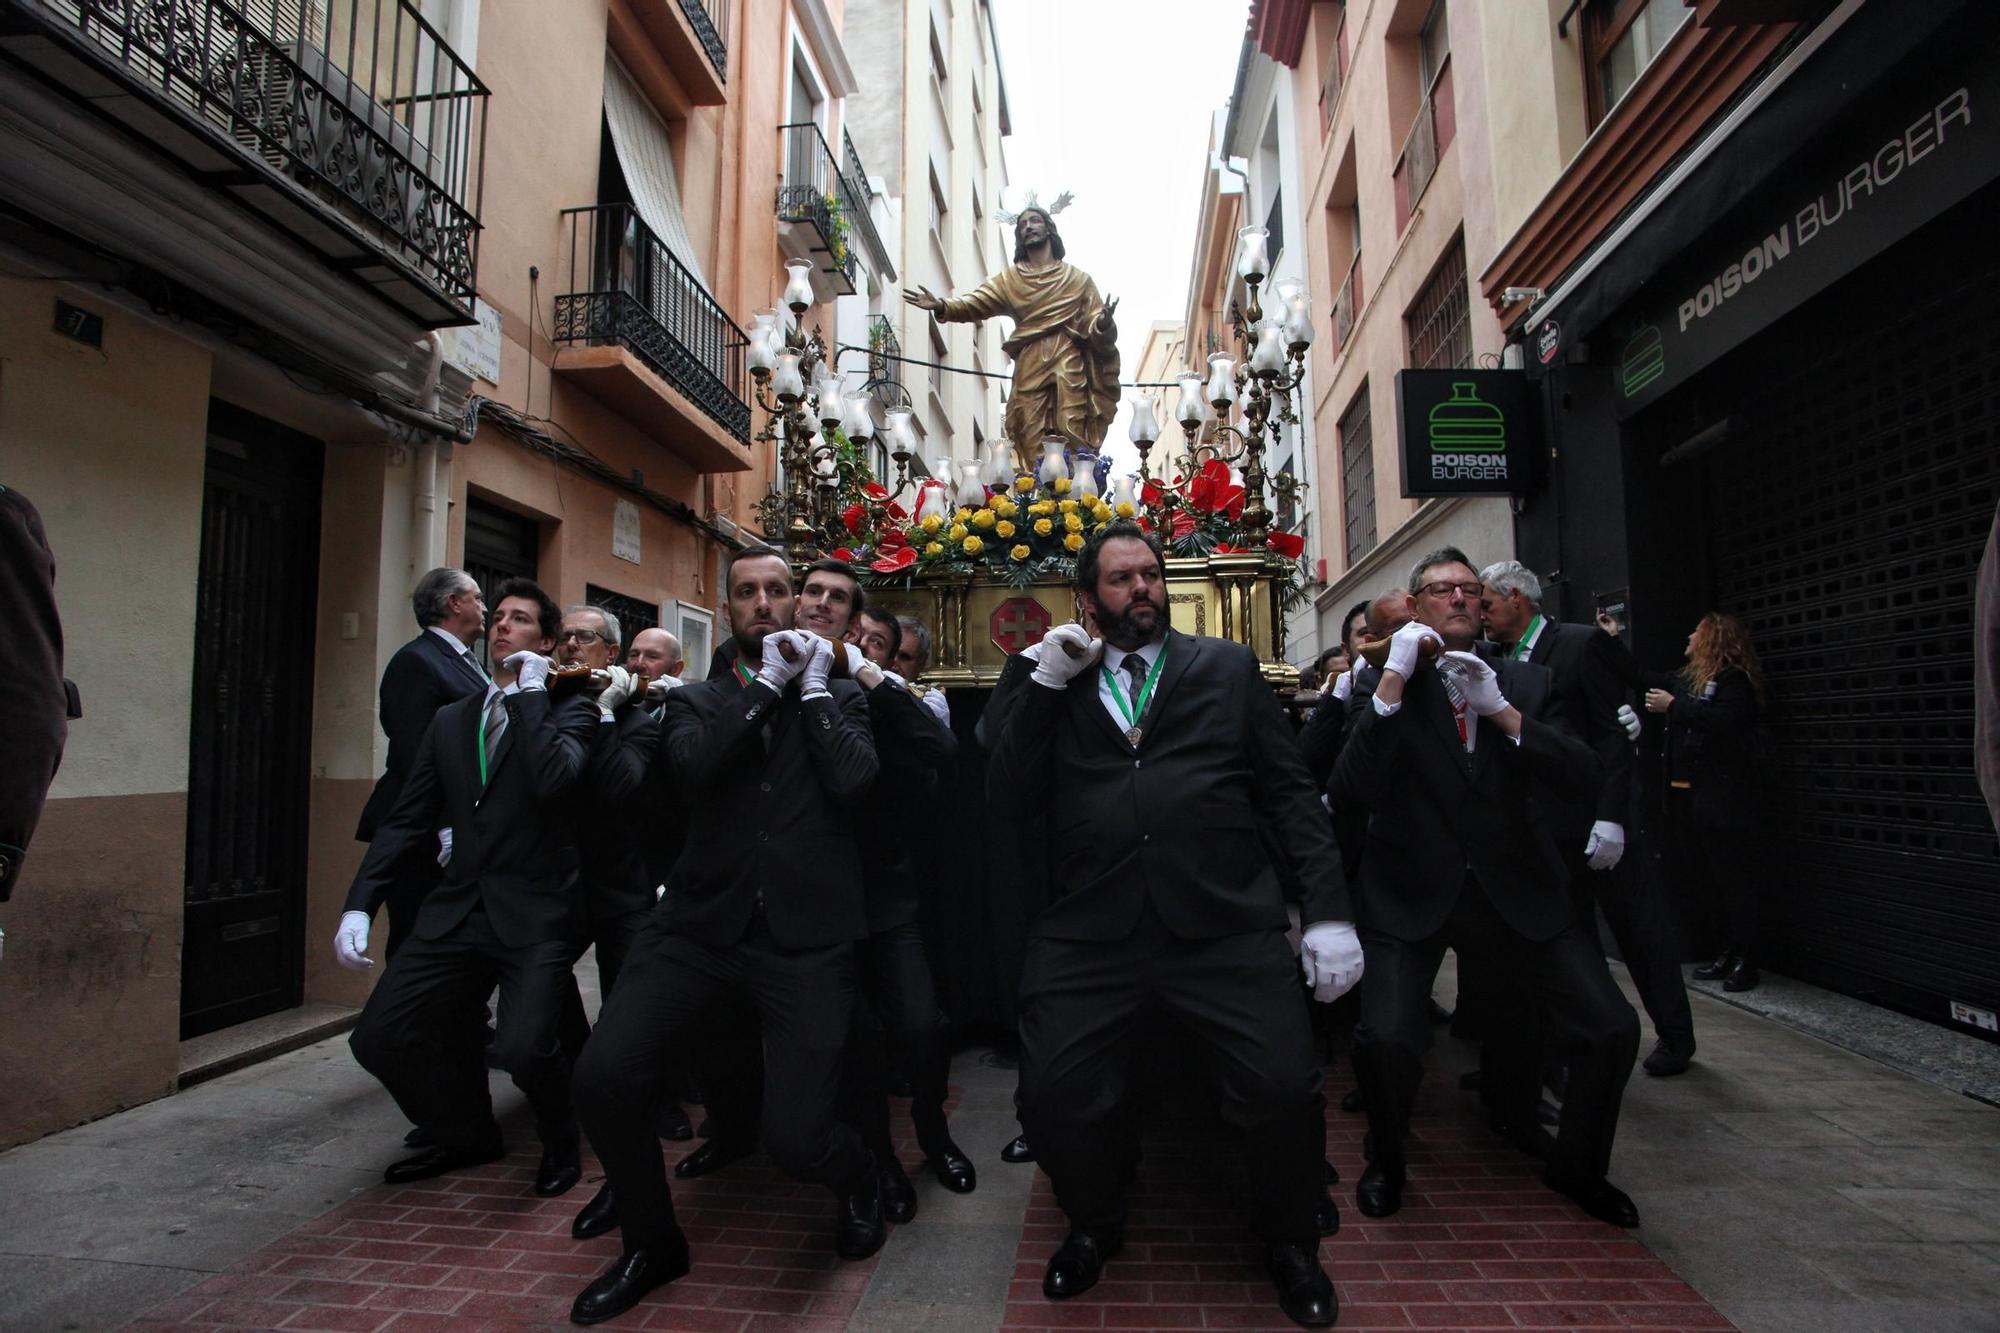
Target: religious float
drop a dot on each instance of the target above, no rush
(986, 558)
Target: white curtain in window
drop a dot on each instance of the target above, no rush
(639, 137)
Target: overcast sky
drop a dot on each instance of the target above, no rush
(1111, 100)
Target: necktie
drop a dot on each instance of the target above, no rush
(1134, 666)
(1451, 692)
(493, 726)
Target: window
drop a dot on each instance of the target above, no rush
(633, 614)
(1274, 223)
(1333, 63)
(1357, 478)
(1436, 120)
(1433, 46)
(1438, 324)
(696, 631)
(1623, 37)
(939, 351)
(938, 208)
(938, 63)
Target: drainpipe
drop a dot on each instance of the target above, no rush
(427, 523)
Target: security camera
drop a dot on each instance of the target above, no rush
(1513, 294)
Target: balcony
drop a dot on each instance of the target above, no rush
(1347, 304)
(817, 210)
(885, 367)
(355, 129)
(639, 331)
(690, 37)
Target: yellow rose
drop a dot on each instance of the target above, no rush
(934, 548)
(962, 514)
(973, 546)
(1062, 486)
(1074, 522)
(1073, 542)
(1067, 506)
(1101, 512)
(932, 523)
(1043, 527)
(1024, 484)
(1004, 507)
(1003, 529)
(1122, 509)
(1018, 553)
(957, 532)
(1042, 507)
(983, 519)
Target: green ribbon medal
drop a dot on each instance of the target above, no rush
(1136, 709)
(1527, 639)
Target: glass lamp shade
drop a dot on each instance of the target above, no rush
(1221, 381)
(1267, 359)
(1298, 324)
(1288, 290)
(786, 381)
(1124, 492)
(1083, 486)
(825, 467)
(999, 470)
(932, 500)
(798, 289)
(1253, 261)
(1193, 408)
(1145, 425)
(971, 488)
(1054, 465)
(762, 357)
(856, 422)
(902, 440)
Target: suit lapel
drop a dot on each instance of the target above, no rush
(1181, 651)
(1086, 696)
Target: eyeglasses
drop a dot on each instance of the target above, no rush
(586, 637)
(1471, 590)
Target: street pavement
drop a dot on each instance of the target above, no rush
(1786, 1184)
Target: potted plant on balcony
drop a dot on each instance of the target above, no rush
(837, 229)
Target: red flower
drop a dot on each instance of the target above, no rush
(1213, 490)
(901, 559)
(897, 511)
(893, 539)
(874, 491)
(1224, 548)
(1149, 494)
(844, 553)
(1183, 524)
(1287, 544)
(852, 517)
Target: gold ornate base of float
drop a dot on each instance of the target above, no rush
(978, 623)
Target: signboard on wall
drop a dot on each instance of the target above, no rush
(1467, 432)
(625, 530)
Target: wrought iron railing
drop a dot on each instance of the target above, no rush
(627, 288)
(1420, 153)
(710, 21)
(885, 367)
(1344, 304)
(1336, 73)
(1274, 224)
(856, 192)
(362, 102)
(815, 190)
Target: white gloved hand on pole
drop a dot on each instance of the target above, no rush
(350, 942)
(812, 681)
(778, 669)
(1629, 720)
(531, 669)
(616, 692)
(1477, 681)
(1343, 685)
(1330, 957)
(1067, 652)
(1403, 646)
(1606, 845)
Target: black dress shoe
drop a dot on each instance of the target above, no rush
(1350, 1101)
(1741, 977)
(635, 1273)
(436, 1161)
(561, 1168)
(862, 1229)
(1018, 1151)
(420, 1137)
(952, 1167)
(1719, 968)
(1077, 1265)
(1305, 1293)
(711, 1156)
(1596, 1196)
(673, 1123)
(899, 1196)
(598, 1216)
(1668, 1058)
(1379, 1192)
(1327, 1216)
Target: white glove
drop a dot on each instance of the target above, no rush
(1628, 720)
(1343, 685)
(531, 670)
(1606, 845)
(778, 672)
(1403, 648)
(812, 682)
(1478, 682)
(617, 692)
(1067, 652)
(350, 942)
(656, 688)
(444, 849)
(1330, 956)
(855, 659)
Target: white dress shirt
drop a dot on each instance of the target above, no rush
(1114, 666)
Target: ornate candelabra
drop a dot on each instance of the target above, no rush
(1260, 383)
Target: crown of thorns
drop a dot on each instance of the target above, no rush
(1009, 217)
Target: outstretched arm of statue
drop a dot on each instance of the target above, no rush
(923, 298)
(1104, 328)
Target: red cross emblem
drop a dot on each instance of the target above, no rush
(1018, 623)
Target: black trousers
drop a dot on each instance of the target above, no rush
(1646, 937)
(1083, 1004)
(419, 1032)
(899, 1003)
(1582, 1017)
(416, 875)
(803, 1000)
(614, 937)
(1728, 858)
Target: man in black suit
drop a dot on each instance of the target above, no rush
(428, 672)
(1590, 835)
(1458, 855)
(493, 769)
(1168, 774)
(33, 712)
(765, 904)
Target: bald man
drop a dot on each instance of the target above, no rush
(656, 655)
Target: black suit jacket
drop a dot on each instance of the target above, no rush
(512, 849)
(613, 807)
(775, 823)
(1586, 698)
(1712, 736)
(915, 750)
(1195, 821)
(1437, 811)
(422, 677)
